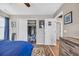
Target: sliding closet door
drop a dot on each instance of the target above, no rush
(50, 32)
(2, 27)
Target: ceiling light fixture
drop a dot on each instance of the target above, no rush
(27, 4)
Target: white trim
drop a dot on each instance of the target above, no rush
(61, 13)
(61, 22)
(40, 43)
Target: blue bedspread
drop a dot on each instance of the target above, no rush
(15, 48)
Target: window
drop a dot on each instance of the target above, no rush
(2, 24)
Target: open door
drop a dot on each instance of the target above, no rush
(50, 32)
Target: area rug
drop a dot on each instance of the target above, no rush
(38, 51)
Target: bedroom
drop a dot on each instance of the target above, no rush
(29, 28)
(27, 23)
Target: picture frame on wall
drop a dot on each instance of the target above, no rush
(68, 18)
(41, 23)
(13, 24)
(49, 23)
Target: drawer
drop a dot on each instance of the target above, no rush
(63, 52)
(75, 51)
(65, 46)
(71, 48)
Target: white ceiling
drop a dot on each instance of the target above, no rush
(35, 9)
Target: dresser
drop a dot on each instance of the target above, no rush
(69, 46)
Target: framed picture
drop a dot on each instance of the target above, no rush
(49, 23)
(41, 23)
(68, 18)
(13, 24)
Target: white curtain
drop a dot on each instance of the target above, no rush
(2, 26)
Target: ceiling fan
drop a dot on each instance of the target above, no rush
(27, 4)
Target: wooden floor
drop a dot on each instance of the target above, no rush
(50, 50)
(55, 49)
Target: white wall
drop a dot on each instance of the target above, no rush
(22, 30)
(21, 27)
(58, 30)
(70, 30)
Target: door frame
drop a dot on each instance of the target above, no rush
(61, 22)
(35, 31)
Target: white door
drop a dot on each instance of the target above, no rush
(50, 32)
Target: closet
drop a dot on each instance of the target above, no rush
(31, 31)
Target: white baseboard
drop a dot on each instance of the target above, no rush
(40, 43)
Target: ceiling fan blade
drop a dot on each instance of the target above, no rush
(27, 4)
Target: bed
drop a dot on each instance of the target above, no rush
(15, 48)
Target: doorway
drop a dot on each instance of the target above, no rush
(32, 31)
(58, 25)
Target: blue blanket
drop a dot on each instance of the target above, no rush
(15, 48)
